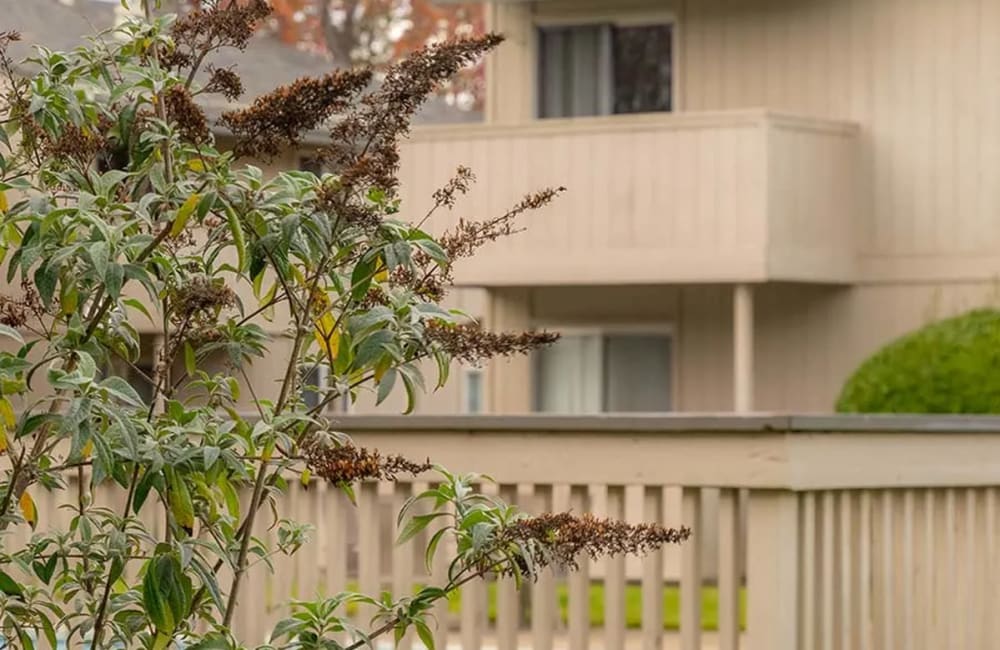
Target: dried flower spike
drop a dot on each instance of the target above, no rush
(472, 344)
(559, 539)
(346, 464)
(282, 117)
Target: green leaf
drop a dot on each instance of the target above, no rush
(26, 642)
(49, 631)
(113, 279)
(209, 582)
(231, 497)
(99, 255)
(416, 524)
(349, 493)
(408, 386)
(44, 570)
(11, 333)
(424, 632)
(154, 599)
(142, 490)
(385, 386)
(46, 277)
(214, 642)
(373, 346)
(206, 204)
(138, 306)
(104, 462)
(432, 548)
(161, 641)
(118, 387)
(190, 364)
(361, 278)
(181, 505)
(239, 239)
(10, 586)
(166, 593)
(210, 454)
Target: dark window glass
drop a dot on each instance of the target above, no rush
(642, 68)
(310, 165)
(313, 385)
(603, 69)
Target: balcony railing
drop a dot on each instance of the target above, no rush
(693, 197)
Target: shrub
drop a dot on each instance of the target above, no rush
(116, 205)
(952, 366)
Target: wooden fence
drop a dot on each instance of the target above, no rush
(840, 532)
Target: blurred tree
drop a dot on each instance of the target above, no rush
(378, 32)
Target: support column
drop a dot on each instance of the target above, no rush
(743, 368)
(510, 388)
(510, 68)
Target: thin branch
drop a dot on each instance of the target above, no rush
(102, 611)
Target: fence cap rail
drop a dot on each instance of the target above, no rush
(677, 423)
(758, 451)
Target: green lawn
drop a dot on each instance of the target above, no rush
(633, 605)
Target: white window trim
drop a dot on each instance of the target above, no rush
(630, 19)
(611, 329)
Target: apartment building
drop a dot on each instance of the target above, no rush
(760, 193)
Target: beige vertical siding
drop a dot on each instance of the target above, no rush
(918, 75)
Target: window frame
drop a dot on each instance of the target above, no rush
(629, 19)
(659, 328)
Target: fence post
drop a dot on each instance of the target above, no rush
(772, 570)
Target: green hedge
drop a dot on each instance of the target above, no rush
(952, 366)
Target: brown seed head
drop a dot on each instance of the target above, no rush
(363, 145)
(221, 24)
(224, 81)
(280, 118)
(472, 344)
(199, 301)
(346, 464)
(186, 114)
(559, 539)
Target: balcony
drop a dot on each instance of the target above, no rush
(744, 196)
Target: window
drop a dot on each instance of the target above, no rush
(605, 373)
(139, 373)
(309, 164)
(472, 396)
(603, 69)
(314, 385)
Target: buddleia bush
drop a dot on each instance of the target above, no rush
(118, 205)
